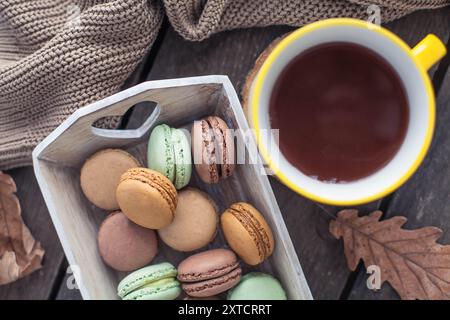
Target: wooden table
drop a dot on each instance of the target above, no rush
(424, 200)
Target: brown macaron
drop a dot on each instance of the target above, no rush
(147, 198)
(124, 245)
(213, 149)
(209, 273)
(195, 222)
(100, 176)
(247, 233)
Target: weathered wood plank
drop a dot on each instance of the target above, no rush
(317, 250)
(38, 285)
(231, 53)
(424, 200)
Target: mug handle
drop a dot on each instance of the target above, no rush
(429, 51)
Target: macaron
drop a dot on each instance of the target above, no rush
(195, 222)
(213, 149)
(209, 273)
(100, 175)
(247, 233)
(169, 152)
(147, 198)
(257, 286)
(124, 245)
(155, 282)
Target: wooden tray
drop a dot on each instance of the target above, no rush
(57, 161)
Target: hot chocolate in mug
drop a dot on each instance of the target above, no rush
(410, 66)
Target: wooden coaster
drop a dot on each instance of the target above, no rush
(249, 80)
(252, 74)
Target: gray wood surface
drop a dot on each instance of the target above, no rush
(423, 199)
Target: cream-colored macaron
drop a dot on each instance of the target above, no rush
(195, 222)
(100, 176)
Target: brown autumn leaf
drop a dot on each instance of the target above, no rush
(410, 260)
(20, 254)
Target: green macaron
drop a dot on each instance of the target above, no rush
(183, 159)
(155, 282)
(257, 286)
(169, 153)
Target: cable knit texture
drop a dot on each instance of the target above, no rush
(59, 55)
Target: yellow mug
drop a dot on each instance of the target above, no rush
(410, 64)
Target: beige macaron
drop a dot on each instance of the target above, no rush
(100, 176)
(195, 222)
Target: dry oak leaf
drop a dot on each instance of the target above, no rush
(20, 254)
(410, 260)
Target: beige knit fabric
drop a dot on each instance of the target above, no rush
(59, 55)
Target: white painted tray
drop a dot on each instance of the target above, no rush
(57, 161)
